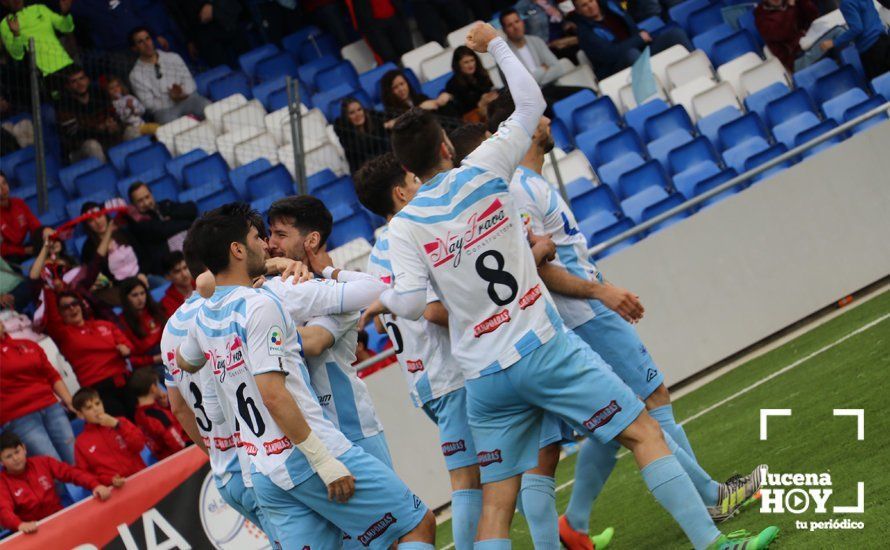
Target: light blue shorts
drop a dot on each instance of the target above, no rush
(382, 510)
(377, 447)
(449, 412)
(563, 377)
(243, 500)
(617, 342)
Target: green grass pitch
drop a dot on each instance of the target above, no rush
(853, 374)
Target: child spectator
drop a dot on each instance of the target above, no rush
(129, 110)
(143, 322)
(181, 282)
(27, 488)
(165, 435)
(108, 447)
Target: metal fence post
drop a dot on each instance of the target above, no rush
(36, 119)
(556, 172)
(296, 129)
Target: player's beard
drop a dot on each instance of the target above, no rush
(256, 263)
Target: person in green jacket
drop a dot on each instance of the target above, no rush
(41, 23)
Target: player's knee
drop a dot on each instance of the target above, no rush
(548, 459)
(425, 531)
(659, 398)
(643, 430)
(465, 478)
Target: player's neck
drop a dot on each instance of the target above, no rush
(533, 160)
(444, 166)
(232, 277)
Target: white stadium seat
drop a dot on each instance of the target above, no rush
(215, 111)
(712, 100)
(761, 76)
(261, 146)
(437, 65)
(360, 55)
(415, 57)
(612, 85)
(202, 136)
(251, 113)
(459, 37)
(628, 101)
(732, 72)
(661, 60)
(167, 133)
(684, 94)
(692, 67)
(226, 143)
(572, 166)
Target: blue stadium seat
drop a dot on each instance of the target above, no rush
(617, 228)
(597, 222)
(588, 141)
(10, 161)
(77, 493)
(634, 182)
(357, 225)
(835, 83)
(564, 108)
(634, 206)
(370, 80)
(595, 200)
(101, 179)
(789, 106)
(738, 131)
(147, 158)
(765, 156)
(270, 182)
(157, 293)
(69, 173)
(787, 132)
(861, 109)
(118, 154)
(733, 46)
(681, 12)
(270, 68)
(665, 122)
(709, 126)
(217, 199)
(231, 84)
(662, 206)
(50, 218)
(624, 142)
(262, 205)
(212, 168)
(688, 156)
(578, 187)
(148, 457)
(758, 101)
(163, 186)
(203, 80)
(26, 171)
(610, 172)
(595, 113)
(835, 107)
(685, 183)
(196, 194)
(807, 77)
(329, 101)
(735, 157)
(879, 84)
(561, 136)
(308, 71)
(814, 132)
(636, 118)
(336, 75)
(77, 425)
(175, 165)
(651, 24)
(715, 181)
(320, 179)
(248, 61)
(293, 41)
(239, 175)
(850, 56)
(660, 148)
(56, 199)
(73, 205)
(318, 46)
(436, 86)
(705, 19)
(340, 192)
(746, 21)
(706, 40)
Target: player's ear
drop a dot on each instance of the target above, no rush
(237, 250)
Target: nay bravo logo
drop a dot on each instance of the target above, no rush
(479, 226)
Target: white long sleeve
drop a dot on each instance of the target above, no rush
(527, 96)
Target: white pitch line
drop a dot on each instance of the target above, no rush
(760, 382)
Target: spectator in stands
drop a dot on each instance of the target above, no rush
(122, 261)
(108, 447)
(181, 282)
(536, 56)
(143, 321)
(155, 224)
(612, 40)
(165, 435)
(30, 390)
(782, 23)
(866, 30)
(399, 96)
(86, 122)
(470, 85)
(41, 23)
(27, 492)
(383, 27)
(15, 290)
(109, 23)
(436, 18)
(213, 29)
(163, 82)
(544, 19)
(362, 132)
(96, 349)
(329, 16)
(17, 226)
(129, 110)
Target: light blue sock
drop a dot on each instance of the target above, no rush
(673, 489)
(705, 485)
(416, 546)
(665, 418)
(492, 544)
(595, 463)
(466, 506)
(538, 497)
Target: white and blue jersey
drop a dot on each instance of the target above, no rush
(241, 333)
(463, 234)
(545, 212)
(423, 349)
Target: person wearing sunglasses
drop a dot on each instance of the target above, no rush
(162, 81)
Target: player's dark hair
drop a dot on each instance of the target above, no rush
(213, 233)
(81, 396)
(305, 212)
(142, 381)
(133, 187)
(416, 139)
(465, 139)
(192, 259)
(375, 181)
(506, 12)
(9, 440)
(171, 260)
(500, 110)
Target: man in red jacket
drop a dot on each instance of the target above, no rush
(782, 23)
(165, 434)
(109, 447)
(27, 485)
(17, 222)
